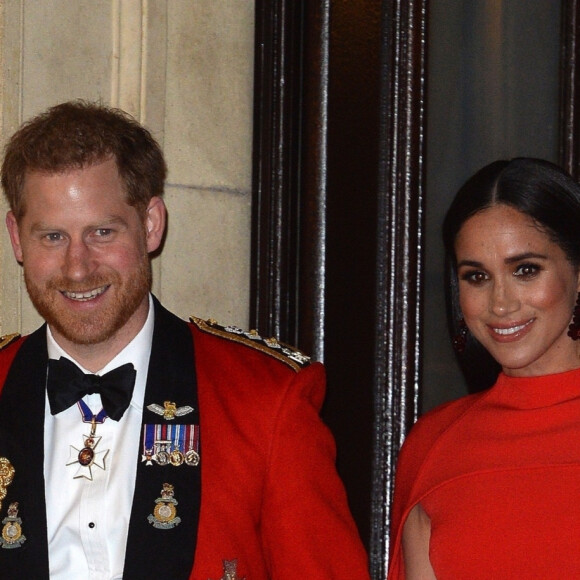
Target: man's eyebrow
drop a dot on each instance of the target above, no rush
(109, 221)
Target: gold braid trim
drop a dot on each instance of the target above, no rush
(290, 356)
(7, 339)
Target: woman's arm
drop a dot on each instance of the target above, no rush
(416, 536)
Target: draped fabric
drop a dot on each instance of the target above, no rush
(499, 476)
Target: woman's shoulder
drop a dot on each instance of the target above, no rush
(433, 423)
(415, 451)
(442, 416)
(429, 428)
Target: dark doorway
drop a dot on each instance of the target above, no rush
(339, 200)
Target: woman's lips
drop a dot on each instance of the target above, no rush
(512, 332)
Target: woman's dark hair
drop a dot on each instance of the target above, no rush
(537, 188)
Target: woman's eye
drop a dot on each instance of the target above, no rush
(527, 270)
(474, 277)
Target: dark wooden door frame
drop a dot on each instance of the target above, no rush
(289, 188)
(289, 171)
(400, 254)
(570, 88)
(275, 181)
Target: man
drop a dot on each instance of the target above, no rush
(199, 453)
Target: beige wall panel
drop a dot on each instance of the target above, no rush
(66, 52)
(208, 128)
(52, 51)
(10, 272)
(205, 262)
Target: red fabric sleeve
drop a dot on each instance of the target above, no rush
(271, 496)
(305, 517)
(409, 485)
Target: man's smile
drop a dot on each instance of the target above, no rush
(84, 296)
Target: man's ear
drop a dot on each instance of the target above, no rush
(155, 218)
(13, 232)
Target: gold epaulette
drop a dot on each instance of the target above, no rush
(7, 339)
(271, 346)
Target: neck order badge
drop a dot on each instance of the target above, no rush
(87, 456)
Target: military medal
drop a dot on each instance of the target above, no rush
(6, 477)
(171, 445)
(164, 516)
(162, 455)
(192, 458)
(12, 536)
(87, 457)
(176, 458)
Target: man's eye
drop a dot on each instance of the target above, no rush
(53, 237)
(103, 232)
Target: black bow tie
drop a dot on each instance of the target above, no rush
(67, 384)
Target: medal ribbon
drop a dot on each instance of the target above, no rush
(192, 437)
(87, 414)
(183, 438)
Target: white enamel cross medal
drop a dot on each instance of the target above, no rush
(87, 457)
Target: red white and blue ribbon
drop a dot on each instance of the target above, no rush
(170, 444)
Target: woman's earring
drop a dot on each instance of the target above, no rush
(460, 339)
(574, 328)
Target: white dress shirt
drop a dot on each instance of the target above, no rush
(88, 520)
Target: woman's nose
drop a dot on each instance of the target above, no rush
(503, 299)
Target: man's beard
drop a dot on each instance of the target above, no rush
(91, 328)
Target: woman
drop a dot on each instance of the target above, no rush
(489, 486)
